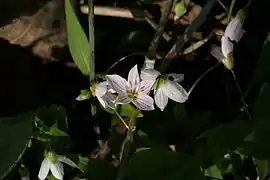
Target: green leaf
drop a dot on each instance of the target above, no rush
(101, 170)
(125, 110)
(15, 133)
(263, 167)
(257, 142)
(179, 112)
(53, 114)
(213, 172)
(261, 72)
(159, 164)
(227, 136)
(51, 177)
(77, 40)
(261, 107)
(54, 131)
(180, 8)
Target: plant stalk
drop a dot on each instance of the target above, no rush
(127, 151)
(200, 78)
(92, 67)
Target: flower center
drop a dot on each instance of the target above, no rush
(93, 89)
(132, 94)
(51, 157)
(161, 80)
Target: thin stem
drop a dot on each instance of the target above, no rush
(230, 10)
(124, 58)
(92, 67)
(199, 79)
(241, 95)
(223, 6)
(91, 41)
(127, 149)
(123, 121)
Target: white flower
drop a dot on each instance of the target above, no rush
(103, 94)
(133, 90)
(52, 162)
(227, 61)
(234, 30)
(165, 88)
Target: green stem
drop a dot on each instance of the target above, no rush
(123, 121)
(230, 10)
(199, 79)
(91, 41)
(241, 95)
(127, 148)
(122, 59)
(223, 6)
(92, 66)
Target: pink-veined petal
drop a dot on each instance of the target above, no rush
(109, 100)
(57, 170)
(226, 46)
(133, 77)
(216, 52)
(144, 102)
(161, 99)
(176, 77)
(66, 160)
(101, 88)
(149, 74)
(234, 30)
(175, 91)
(117, 83)
(123, 99)
(145, 86)
(101, 101)
(44, 169)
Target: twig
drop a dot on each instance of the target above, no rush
(160, 29)
(109, 11)
(177, 47)
(124, 13)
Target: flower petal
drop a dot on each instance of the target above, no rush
(44, 169)
(161, 99)
(144, 102)
(226, 46)
(234, 30)
(133, 76)
(145, 86)
(101, 88)
(216, 52)
(175, 91)
(117, 83)
(149, 74)
(109, 100)
(101, 101)
(123, 99)
(57, 170)
(176, 77)
(66, 160)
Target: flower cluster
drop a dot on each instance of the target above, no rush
(137, 88)
(233, 32)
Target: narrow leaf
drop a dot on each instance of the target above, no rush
(77, 40)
